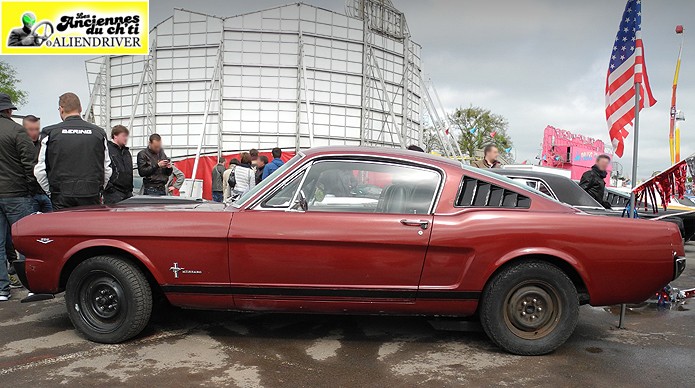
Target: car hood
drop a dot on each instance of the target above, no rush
(152, 204)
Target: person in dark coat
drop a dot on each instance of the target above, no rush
(593, 181)
(154, 166)
(32, 124)
(17, 158)
(217, 184)
(260, 166)
(120, 186)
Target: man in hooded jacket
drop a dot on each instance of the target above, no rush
(593, 181)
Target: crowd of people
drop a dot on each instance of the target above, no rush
(75, 163)
(230, 181)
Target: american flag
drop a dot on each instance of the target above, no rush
(626, 68)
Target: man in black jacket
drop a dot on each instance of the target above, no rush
(154, 167)
(120, 185)
(593, 180)
(74, 163)
(32, 125)
(16, 181)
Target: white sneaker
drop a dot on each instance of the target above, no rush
(4, 298)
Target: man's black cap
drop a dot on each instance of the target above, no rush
(6, 102)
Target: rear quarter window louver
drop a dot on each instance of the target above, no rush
(477, 193)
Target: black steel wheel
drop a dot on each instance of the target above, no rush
(108, 299)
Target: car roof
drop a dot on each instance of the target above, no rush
(383, 152)
(441, 162)
(566, 190)
(546, 176)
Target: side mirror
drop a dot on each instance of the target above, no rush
(300, 203)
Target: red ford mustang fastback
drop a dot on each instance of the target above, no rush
(352, 230)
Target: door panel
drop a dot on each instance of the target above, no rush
(326, 250)
(341, 229)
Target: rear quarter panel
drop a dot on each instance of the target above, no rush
(619, 260)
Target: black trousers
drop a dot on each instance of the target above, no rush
(63, 202)
(115, 196)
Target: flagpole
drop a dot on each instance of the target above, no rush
(635, 150)
(633, 180)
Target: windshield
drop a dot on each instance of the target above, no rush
(265, 182)
(499, 177)
(574, 195)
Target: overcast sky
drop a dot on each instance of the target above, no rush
(536, 62)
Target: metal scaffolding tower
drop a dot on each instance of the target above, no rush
(441, 123)
(381, 19)
(147, 84)
(97, 111)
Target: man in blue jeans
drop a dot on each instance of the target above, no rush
(16, 180)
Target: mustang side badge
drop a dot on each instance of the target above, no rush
(44, 240)
(176, 269)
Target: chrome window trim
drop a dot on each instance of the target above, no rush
(242, 204)
(285, 183)
(378, 159)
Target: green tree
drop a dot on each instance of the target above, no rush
(9, 84)
(430, 142)
(476, 127)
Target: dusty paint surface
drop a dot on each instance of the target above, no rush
(38, 347)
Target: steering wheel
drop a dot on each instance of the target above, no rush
(46, 25)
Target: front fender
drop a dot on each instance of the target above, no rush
(114, 244)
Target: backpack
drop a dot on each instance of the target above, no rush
(232, 180)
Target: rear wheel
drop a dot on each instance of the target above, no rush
(109, 299)
(530, 308)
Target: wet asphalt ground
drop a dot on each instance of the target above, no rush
(39, 348)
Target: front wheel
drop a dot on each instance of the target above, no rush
(530, 308)
(108, 299)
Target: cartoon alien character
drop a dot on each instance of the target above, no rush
(24, 36)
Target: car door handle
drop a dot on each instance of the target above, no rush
(424, 224)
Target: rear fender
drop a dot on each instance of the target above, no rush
(544, 252)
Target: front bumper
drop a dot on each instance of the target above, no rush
(20, 267)
(678, 266)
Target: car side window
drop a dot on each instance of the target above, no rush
(530, 183)
(282, 199)
(543, 188)
(369, 187)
